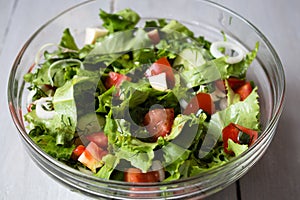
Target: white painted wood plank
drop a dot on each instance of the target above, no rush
(277, 176)
(20, 177)
(6, 10)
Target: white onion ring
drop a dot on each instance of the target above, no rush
(39, 53)
(214, 50)
(57, 63)
(40, 111)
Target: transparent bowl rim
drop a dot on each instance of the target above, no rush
(278, 107)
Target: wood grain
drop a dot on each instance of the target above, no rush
(277, 176)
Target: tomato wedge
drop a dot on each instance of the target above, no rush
(200, 101)
(77, 152)
(244, 91)
(135, 175)
(233, 82)
(162, 65)
(233, 131)
(229, 132)
(239, 86)
(252, 133)
(115, 79)
(159, 122)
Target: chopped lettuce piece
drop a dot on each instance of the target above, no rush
(83, 105)
(239, 69)
(48, 144)
(114, 47)
(68, 41)
(174, 157)
(195, 70)
(107, 169)
(175, 26)
(244, 113)
(122, 20)
(236, 148)
(232, 97)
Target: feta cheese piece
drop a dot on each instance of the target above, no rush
(91, 34)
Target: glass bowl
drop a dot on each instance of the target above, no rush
(204, 18)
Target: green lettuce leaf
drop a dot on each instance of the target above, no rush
(179, 122)
(105, 100)
(62, 126)
(67, 40)
(64, 103)
(110, 163)
(175, 26)
(244, 113)
(48, 144)
(236, 148)
(124, 146)
(59, 127)
(114, 48)
(174, 157)
(139, 97)
(122, 20)
(195, 69)
(139, 154)
(215, 158)
(232, 97)
(239, 70)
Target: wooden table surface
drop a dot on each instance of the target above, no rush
(275, 177)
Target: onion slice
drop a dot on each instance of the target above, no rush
(215, 46)
(44, 47)
(59, 63)
(40, 111)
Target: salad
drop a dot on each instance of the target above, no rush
(143, 103)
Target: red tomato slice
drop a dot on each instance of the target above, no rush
(99, 138)
(244, 91)
(252, 133)
(162, 65)
(115, 79)
(200, 101)
(234, 83)
(77, 152)
(135, 175)
(232, 131)
(159, 122)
